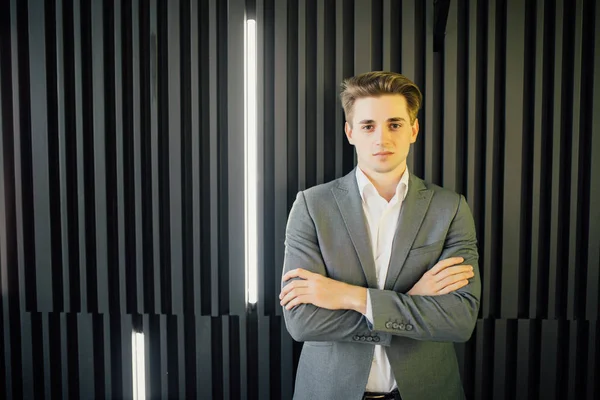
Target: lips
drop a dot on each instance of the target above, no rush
(383, 153)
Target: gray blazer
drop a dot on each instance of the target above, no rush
(327, 234)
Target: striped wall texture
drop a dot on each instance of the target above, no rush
(121, 183)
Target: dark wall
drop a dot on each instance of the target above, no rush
(121, 183)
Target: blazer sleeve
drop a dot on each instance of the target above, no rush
(451, 317)
(307, 322)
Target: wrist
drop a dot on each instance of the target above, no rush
(357, 299)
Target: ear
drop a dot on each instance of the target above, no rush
(348, 131)
(415, 131)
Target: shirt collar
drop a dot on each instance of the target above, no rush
(363, 183)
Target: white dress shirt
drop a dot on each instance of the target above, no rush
(382, 219)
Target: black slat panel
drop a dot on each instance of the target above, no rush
(122, 176)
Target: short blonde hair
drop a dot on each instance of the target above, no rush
(377, 83)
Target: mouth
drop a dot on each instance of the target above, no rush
(383, 153)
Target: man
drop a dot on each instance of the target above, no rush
(381, 268)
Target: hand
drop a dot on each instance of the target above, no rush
(443, 278)
(322, 292)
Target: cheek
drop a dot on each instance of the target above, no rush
(404, 139)
(361, 143)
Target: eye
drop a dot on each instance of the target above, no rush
(395, 126)
(367, 128)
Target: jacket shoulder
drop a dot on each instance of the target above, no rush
(443, 196)
(321, 190)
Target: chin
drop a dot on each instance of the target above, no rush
(384, 169)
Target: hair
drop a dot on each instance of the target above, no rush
(378, 83)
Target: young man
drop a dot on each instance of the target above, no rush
(381, 268)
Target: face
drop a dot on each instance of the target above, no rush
(382, 134)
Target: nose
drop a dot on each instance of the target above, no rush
(382, 134)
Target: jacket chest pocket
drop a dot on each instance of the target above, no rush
(429, 248)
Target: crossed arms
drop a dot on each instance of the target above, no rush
(441, 306)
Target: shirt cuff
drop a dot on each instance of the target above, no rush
(369, 313)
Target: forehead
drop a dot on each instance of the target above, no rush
(380, 107)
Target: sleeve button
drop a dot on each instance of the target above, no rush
(409, 327)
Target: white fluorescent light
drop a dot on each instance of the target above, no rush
(251, 161)
(138, 366)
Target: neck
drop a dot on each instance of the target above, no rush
(385, 183)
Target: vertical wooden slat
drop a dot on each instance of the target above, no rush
(186, 246)
(536, 274)
(576, 274)
(319, 85)
(280, 143)
(363, 41)
(9, 255)
(125, 303)
(55, 167)
(154, 76)
(593, 274)
(555, 284)
(95, 133)
(210, 172)
(28, 374)
(221, 167)
(131, 210)
(145, 174)
(234, 112)
(512, 201)
(176, 159)
(204, 357)
(111, 289)
(490, 261)
(523, 357)
(301, 95)
(163, 150)
(451, 106)
(200, 269)
(84, 331)
(23, 162)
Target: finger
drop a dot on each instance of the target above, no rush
(291, 286)
(448, 262)
(304, 299)
(455, 270)
(296, 273)
(453, 287)
(454, 278)
(292, 295)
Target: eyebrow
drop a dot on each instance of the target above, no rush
(393, 119)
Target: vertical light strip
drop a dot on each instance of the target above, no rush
(138, 366)
(251, 162)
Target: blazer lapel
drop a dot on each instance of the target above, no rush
(349, 202)
(411, 216)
